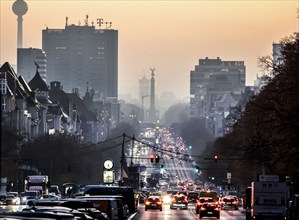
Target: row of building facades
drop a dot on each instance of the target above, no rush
(218, 91)
(34, 108)
(71, 85)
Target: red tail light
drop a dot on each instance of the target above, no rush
(159, 203)
(147, 203)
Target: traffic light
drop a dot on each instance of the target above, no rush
(197, 169)
(157, 159)
(215, 158)
(152, 158)
(162, 166)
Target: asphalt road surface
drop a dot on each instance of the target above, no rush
(176, 214)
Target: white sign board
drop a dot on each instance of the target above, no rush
(229, 175)
(108, 176)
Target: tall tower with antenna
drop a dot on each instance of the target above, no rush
(20, 8)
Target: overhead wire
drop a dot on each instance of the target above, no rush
(99, 143)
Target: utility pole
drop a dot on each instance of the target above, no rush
(122, 157)
(132, 150)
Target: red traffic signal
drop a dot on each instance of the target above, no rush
(152, 158)
(215, 158)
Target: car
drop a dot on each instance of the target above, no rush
(190, 186)
(153, 202)
(54, 189)
(58, 209)
(179, 201)
(209, 193)
(28, 195)
(2, 199)
(192, 197)
(122, 202)
(44, 197)
(16, 194)
(12, 200)
(210, 209)
(229, 202)
(200, 201)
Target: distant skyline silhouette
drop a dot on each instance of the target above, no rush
(169, 35)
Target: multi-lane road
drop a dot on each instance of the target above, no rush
(166, 214)
(170, 214)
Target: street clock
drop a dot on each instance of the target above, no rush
(108, 164)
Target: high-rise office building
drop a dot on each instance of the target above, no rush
(28, 59)
(210, 80)
(80, 54)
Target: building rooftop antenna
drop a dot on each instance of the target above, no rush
(108, 25)
(86, 20)
(100, 22)
(66, 21)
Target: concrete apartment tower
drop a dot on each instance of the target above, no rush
(83, 53)
(20, 8)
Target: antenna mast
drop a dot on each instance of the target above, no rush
(86, 20)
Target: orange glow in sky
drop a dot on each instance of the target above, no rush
(168, 35)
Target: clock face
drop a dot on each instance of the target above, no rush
(108, 164)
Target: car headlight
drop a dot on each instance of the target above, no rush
(167, 199)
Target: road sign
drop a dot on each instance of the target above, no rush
(108, 176)
(229, 175)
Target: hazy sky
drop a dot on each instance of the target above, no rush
(168, 35)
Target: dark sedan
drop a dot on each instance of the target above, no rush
(210, 209)
(179, 201)
(153, 202)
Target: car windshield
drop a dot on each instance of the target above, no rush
(228, 199)
(153, 199)
(180, 198)
(192, 195)
(203, 200)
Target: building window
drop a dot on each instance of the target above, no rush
(4, 105)
(3, 86)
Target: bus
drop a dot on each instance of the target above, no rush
(37, 183)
